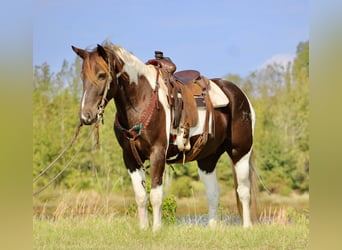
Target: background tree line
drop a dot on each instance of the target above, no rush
(279, 95)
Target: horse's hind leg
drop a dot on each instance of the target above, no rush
(241, 169)
(207, 173)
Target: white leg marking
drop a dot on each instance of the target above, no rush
(213, 193)
(138, 181)
(156, 197)
(242, 173)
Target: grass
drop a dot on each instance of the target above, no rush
(88, 220)
(99, 232)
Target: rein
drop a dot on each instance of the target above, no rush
(61, 154)
(104, 96)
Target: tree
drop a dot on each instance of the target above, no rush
(280, 99)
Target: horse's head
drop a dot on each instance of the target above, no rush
(97, 79)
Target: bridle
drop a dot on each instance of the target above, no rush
(104, 97)
(104, 100)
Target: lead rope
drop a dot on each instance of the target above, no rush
(61, 154)
(68, 164)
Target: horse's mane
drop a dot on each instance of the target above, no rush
(132, 64)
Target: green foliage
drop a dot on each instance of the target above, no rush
(282, 135)
(169, 207)
(181, 187)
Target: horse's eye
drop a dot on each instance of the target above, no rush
(102, 76)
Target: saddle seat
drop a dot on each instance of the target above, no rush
(187, 76)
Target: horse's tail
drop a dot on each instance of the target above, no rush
(253, 190)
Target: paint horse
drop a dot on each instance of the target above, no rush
(143, 127)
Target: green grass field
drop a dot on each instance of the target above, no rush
(97, 232)
(89, 220)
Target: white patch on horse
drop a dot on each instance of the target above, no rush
(199, 128)
(134, 67)
(83, 99)
(252, 114)
(138, 181)
(213, 193)
(243, 189)
(156, 197)
(83, 104)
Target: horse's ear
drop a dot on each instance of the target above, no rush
(102, 52)
(80, 52)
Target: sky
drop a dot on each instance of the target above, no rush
(216, 37)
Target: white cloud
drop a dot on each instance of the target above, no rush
(281, 59)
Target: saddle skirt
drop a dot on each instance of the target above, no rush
(192, 111)
(218, 99)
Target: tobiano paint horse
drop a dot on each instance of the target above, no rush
(143, 117)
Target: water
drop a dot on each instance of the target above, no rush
(202, 220)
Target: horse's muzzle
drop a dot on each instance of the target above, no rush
(87, 118)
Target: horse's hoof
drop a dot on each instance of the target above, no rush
(212, 223)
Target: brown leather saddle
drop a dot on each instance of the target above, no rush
(187, 91)
(192, 88)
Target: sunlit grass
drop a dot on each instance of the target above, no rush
(88, 220)
(123, 233)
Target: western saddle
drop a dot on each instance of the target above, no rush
(187, 91)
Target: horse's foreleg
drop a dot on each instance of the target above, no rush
(157, 161)
(243, 187)
(138, 181)
(212, 190)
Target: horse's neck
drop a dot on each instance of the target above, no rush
(134, 93)
(131, 99)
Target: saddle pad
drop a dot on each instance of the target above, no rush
(217, 97)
